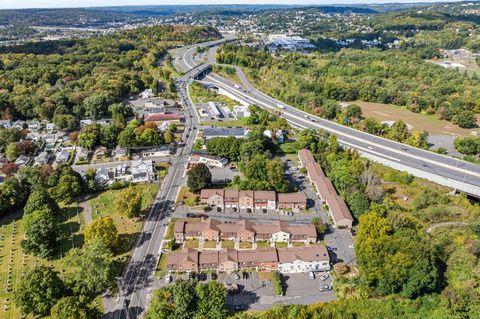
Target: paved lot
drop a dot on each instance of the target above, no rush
(256, 294)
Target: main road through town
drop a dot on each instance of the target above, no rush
(135, 286)
(445, 170)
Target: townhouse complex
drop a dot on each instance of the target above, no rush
(341, 216)
(285, 260)
(244, 230)
(232, 198)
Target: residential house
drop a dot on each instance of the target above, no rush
(267, 259)
(228, 260)
(161, 151)
(50, 127)
(6, 123)
(231, 198)
(212, 197)
(245, 199)
(265, 200)
(211, 132)
(105, 176)
(62, 156)
(120, 152)
(42, 158)
(338, 209)
(209, 160)
(86, 122)
(82, 154)
(23, 160)
(185, 260)
(33, 126)
(303, 259)
(19, 125)
(142, 171)
(208, 260)
(294, 201)
(100, 153)
(147, 94)
(279, 135)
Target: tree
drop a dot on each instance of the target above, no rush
(308, 139)
(353, 112)
(129, 201)
(89, 136)
(13, 195)
(184, 297)
(40, 199)
(96, 105)
(69, 186)
(12, 152)
(9, 169)
(320, 226)
(199, 177)
(89, 269)
(211, 300)
(65, 122)
(71, 308)
(168, 136)
(465, 119)
(161, 306)
(359, 203)
(103, 229)
(41, 233)
(39, 290)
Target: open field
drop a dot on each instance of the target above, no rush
(421, 122)
(188, 198)
(128, 229)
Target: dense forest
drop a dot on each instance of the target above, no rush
(49, 79)
(389, 77)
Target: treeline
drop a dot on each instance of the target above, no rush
(50, 79)
(388, 77)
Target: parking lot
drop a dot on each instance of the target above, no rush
(256, 292)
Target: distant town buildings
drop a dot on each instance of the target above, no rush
(237, 132)
(277, 42)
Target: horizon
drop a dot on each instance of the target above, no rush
(66, 4)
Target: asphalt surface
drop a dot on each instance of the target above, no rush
(448, 171)
(136, 284)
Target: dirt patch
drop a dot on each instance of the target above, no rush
(421, 122)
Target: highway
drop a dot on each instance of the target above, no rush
(136, 284)
(445, 170)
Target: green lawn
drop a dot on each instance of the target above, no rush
(290, 147)
(161, 267)
(170, 229)
(210, 244)
(200, 95)
(281, 245)
(263, 244)
(188, 198)
(242, 122)
(245, 245)
(103, 204)
(228, 244)
(191, 243)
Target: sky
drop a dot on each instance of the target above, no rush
(18, 4)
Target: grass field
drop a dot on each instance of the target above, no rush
(228, 244)
(191, 243)
(188, 198)
(210, 244)
(430, 123)
(242, 122)
(103, 204)
(13, 262)
(298, 244)
(281, 245)
(200, 95)
(262, 244)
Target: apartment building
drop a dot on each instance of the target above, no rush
(338, 209)
(285, 260)
(247, 199)
(244, 230)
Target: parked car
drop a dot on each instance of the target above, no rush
(202, 276)
(214, 276)
(168, 278)
(325, 288)
(311, 275)
(245, 275)
(331, 248)
(191, 275)
(235, 276)
(324, 277)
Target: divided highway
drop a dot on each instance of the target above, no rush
(445, 170)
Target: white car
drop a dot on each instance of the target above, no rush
(168, 279)
(324, 277)
(311, 275)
